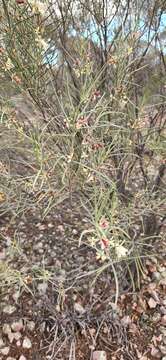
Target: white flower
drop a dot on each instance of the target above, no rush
(38, 6)
(9, 65)
(121, 251)
(41, 42)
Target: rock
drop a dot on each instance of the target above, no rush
(50, 225)
(1, 343)
(17, 335)
(163, 320)
(26, 343)
(152, 303)
(18, 343)
(9, 309)
(17, 325)
(11, 337)
(75, 232)
(163, 310)
(5, 350)
(163, 274)
(156, 276)
(6, 329)
(79, 308)
(99, 355)
(30, 325)
(156, 317)
(42, 288)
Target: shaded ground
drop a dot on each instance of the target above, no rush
(62, 307)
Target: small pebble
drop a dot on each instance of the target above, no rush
(99, 355)
(162, 330)
(27, 343)
(75, 232)
(163, 320)
(6, 329)
(17, 325)
(39, 245)
(9, 309)
(17, 335)
(5, 350)
(162, 349)
(11, 337)
(22, 357)
(60, 228)
(2, 255)
(161, 269)
(42, 326)
(42, 288)
(163, 274)
(163, 310)
(41, 227)
(156, 276)
(126, 321)
(164, 340)
(156, 317)
(30, 325)
(155, 353)
(1, 343)
(40, 251)
(50, 225)
(79, 308)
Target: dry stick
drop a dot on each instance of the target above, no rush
(158, 179)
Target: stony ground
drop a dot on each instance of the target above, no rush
(55, 304)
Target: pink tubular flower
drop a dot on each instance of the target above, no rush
(104, 224)
(104, 243)
(96, 95)
(97, 146)
(20, 2)
(82, 121)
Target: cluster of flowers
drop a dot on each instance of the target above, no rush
(103, 253)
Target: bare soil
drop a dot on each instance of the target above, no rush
(56, 285)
